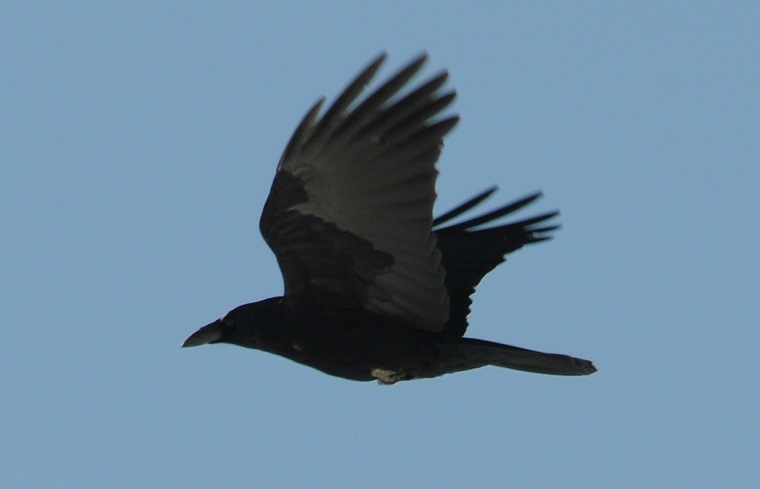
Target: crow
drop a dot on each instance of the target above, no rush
(375, 288)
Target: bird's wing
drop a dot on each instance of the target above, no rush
(471, 250)
(349, 215)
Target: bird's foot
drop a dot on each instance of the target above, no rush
(387, 377)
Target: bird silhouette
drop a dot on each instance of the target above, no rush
(375, 288)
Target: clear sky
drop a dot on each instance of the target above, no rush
(137, 145)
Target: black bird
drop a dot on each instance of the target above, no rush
(375, 288)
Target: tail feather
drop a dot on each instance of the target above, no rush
(470, 353)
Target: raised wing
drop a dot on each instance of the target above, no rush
(349, 215)
(471, 250)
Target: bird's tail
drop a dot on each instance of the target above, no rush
(489, 353)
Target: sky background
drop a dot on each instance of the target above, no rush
(138, 141)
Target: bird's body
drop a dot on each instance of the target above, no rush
(360, 345)
(375, 288)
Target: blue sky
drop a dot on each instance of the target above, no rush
(137, 146)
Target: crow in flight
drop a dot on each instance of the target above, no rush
(375, 288)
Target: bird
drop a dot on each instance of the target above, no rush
(375, 288)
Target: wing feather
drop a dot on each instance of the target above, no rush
(349, 215)
(470, 251)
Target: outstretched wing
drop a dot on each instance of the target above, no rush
(349, 215)
(471, 250)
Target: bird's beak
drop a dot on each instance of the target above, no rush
(207, 334)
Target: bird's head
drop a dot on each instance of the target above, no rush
(246, 325)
